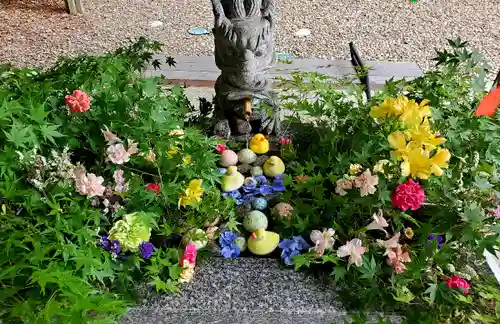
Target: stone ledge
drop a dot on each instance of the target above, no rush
(241, 291)
(201, 71)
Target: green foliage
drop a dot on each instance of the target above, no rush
(334, 131)
(53, 268)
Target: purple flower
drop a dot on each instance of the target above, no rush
(146, 249)
(229, 249)
(291, 248)
(437, 238)
(110, 246)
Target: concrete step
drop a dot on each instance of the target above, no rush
(201, 71)
(243, 291)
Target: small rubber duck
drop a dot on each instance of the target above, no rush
(274, 166)
(263, 242)
(259, 144)
(232, 180)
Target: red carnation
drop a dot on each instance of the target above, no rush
(153, 187)
(408, 195)
(78, 102)
(455, 282)
(220, 148)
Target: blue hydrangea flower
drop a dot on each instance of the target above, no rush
(265, 190)
(110, 246)
(235, 194)
(146, 249)
(438, 238)
(246, 198)
(261, 180)
(229, 249)
(278, 184)
(291, 248)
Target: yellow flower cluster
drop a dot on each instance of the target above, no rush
(417, 145)
(192, 195)
(409, 112)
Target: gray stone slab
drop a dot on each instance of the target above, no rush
(203, 69)
(244, 290)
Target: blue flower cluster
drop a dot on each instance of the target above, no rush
(437, 238)
(256, 186)
(110, 246)
(229, 248)
(146, 249)
(292, 248)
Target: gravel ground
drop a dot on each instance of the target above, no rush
(36, 32)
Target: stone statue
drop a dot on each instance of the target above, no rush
(244, 52)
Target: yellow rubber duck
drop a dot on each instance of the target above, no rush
(262, 242)
(259, 144)
(232, 180)
(274, 166)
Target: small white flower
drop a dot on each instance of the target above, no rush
(354, 249)
(322, 240)
(378, 223)
(117, 154)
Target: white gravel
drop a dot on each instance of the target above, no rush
(36, 32)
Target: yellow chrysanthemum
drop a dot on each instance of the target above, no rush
(192, 195)
(173, 151)
(187, 159)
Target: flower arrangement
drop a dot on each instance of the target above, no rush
(397, 198)
(410, 192)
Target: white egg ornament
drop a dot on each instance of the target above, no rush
(247, 156)
(228, 158)
(255, 220)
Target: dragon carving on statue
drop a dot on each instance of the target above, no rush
(244, 52)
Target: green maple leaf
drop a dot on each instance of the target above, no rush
(156, 64)
(339, 273)
(49, 132)
(431, 291)
(170, 61)
(20, 134)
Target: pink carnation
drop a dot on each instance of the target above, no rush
(285, 140)
(408, 195)
(455, 282)
(189, 257)
(78, 102)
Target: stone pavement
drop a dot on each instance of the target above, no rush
(243, 291)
